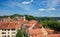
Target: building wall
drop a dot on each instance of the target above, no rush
(8, 32)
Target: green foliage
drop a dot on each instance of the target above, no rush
(45, 23)
(47, 18)
(12, 16)
(51, 24)
(20, 33)
(28, 17)
(55, 26)
(4, 16)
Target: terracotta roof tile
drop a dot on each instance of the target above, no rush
(31, 22)
(50, 31)
(54, 35)
(9, 25)
(35, 31)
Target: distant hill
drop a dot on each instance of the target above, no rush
(47, 18)
(29, 17)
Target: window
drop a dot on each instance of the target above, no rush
(8, 29)
(13, 36)
(8, 35)
(3, 32)
(13, 29)
(13, 32)
(4, 36)
(3, 29)
(8, 32)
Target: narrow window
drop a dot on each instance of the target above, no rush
(4, 36)
(3, 32)
(8, 35)
(3, 29)
(13, 32)
(13, 29)
(13, 36)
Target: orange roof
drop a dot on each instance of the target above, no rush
(38, 26)
(50, 31)
(9, 25)
(35, 31)
(54, 35)
(31, 22)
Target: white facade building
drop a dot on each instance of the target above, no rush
(8, 32)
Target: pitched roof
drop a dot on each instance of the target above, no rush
(9, 25)
(39, 26)
(31, 22)
(54, 35)
(50, 31)
(35, 31)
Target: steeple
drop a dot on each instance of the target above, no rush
(24, 18)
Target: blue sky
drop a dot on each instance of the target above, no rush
(41, 8)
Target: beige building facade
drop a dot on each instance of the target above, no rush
(8, 32)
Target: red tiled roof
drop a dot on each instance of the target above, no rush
(54, 35)
(35, 31)
(9, 25)
(39, 26)
(31, 22)
(50, 31)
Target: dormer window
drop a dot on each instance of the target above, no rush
(3, 29)
(13, 29)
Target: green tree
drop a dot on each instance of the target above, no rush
(20, 33)
(12, 16)
(51, 24)
(28, 17)
(55, 26)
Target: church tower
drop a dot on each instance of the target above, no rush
(24, 18)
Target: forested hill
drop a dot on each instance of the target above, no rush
(29, 17)
(47, 18)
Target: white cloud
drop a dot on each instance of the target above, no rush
(22, 6)
(46, 10)
(52, 3)
(51, 9)
(28, 2)
(42, 9)
(14, 4)
(25, 2)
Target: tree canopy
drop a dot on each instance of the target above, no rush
(20, 33)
